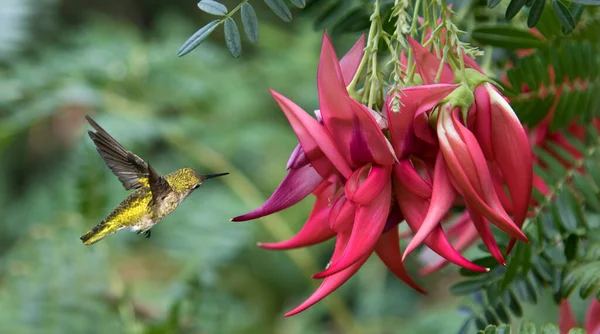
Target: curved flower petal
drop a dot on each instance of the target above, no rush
(296, 185)
(366, 183)
(341, 215)
(486, 235)
(466, 235)
(482, 128)
(512, 153)
(351, 60)
(428, 64)
(354, 130)
(592, 317)
(412, 99)
(467, 173)
(388, 250)
(316, 229)
(334, 281)
(314, 139)
(414, 210)
(442, 198)
(297, 158)
(368, 225)
(411, 180)
(566, 318)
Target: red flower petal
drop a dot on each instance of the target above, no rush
(428, 64)
(314, 139)
(412, 99)
(296, 185)
(352, 126)
(411, 180)
(350, 61)
(566, 318)
(388, 250)
(366, 183)
(512, 153)
(414, 210)
(368, 226)
(442, 198)
(316, 229)
(334, 281)
(486, 235)
(592, 317)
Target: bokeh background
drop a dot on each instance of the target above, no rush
(199, 273)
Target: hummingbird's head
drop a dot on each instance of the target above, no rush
(186, 180)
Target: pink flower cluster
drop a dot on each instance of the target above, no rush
(452, 143)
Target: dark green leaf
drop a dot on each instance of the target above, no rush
(512, 268)
(466, 326)
(466, 287)
(486, 262)
(480, 323)
(576, 10)
(564, 16)
(280, 9)
(250, 22)
(513, 303)
(571, 245)
(505, 36)
(212, 7)
(501, 313)
(535, 13)
(232, 38)
(588, 2)
(491, 317)
(197, 38)
(493, 3)
(513, 8)
(299, 3)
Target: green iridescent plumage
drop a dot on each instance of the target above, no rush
(154, 196)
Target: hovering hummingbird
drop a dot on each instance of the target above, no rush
(155, 196)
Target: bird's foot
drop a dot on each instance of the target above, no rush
(147, 234)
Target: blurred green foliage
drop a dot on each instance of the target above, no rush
(199, 273)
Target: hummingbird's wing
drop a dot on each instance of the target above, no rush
(158, 186)
(131, 170)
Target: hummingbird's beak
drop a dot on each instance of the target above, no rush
(211, 176)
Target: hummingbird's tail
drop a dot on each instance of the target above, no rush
(96, 234)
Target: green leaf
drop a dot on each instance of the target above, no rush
(555, 255)
(232, 38)
(504, 329)
(506, 36)
(501, 313)
(212, 7)
(299, 3)
(197, 38)
(513, 8)
(250, 22)
(513, 303)
(528, 328)
(571, 246)
(577, 331)
(564, 16)
(513, 267)
(490, 329)
(588, 2)
(493, 3)
(535, 13)
(280, 9)
(486, 262)
(467, 286)
(550, 329)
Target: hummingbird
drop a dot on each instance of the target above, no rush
(154, 196)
